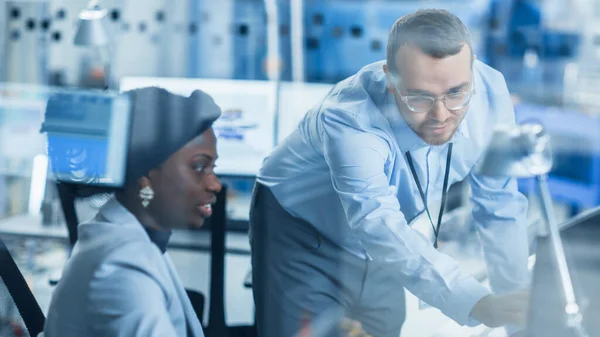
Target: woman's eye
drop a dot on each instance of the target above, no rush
(209, 169)
(206, 169)
(199, 167)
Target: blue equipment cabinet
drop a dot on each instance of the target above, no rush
(343, 36)
(516, 29)
(340, 36)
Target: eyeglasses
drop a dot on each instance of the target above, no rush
(453, 101)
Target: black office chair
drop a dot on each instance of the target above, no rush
(197, 299)
(20, 314)
(217, 327)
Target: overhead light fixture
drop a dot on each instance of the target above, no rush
(91, 33)
(91, 30)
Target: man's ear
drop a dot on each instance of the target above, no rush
(386, 71)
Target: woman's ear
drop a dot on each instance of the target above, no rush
(144, 181)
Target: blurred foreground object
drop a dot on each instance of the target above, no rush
(524, 151)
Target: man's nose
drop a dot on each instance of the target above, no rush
(439, 112)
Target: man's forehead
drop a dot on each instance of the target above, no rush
(423, 71)
(412, 58)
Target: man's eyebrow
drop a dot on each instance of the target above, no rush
(459, 87)
(419, 92)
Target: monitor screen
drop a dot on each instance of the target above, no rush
(88, 136)
(296, 99)
(21, 109)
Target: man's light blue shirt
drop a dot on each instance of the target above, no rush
(344, 170)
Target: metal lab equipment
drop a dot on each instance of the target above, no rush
(24, 41)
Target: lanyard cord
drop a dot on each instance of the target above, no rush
(436, 230)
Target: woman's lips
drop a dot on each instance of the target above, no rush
(205, 210)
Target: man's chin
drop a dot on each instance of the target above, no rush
(438, 139)
(434, 138)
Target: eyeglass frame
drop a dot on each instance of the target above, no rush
(471, 92)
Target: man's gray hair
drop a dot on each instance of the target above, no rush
(436, 32)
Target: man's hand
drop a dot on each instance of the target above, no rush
(495, 311)
(351, 328)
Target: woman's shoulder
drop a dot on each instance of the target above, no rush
(114, 243)
(111, 279)
(106, 245)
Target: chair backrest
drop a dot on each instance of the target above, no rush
(218, 227)
(66, 194)
(197, 299)
(28, 319)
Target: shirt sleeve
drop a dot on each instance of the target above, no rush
(357, 159)
(126, 299)
(500, 212)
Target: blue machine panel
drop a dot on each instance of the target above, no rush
(343, 36)
(340, 36)
(247, 34)
(531, 57)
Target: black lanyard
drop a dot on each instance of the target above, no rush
(436, 230)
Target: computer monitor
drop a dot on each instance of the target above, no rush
(581, 238)
(245, 131)
(21, 109)
(88, 136)
(23, 164)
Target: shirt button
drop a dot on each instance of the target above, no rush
(392, 189)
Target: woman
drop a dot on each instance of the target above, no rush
(118, 280)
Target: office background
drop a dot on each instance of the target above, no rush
(266, 63)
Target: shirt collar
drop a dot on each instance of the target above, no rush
(160, 238)
(407, 139)
(116, 213)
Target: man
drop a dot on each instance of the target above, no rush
(333, 204)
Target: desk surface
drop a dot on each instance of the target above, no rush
(28, 226)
